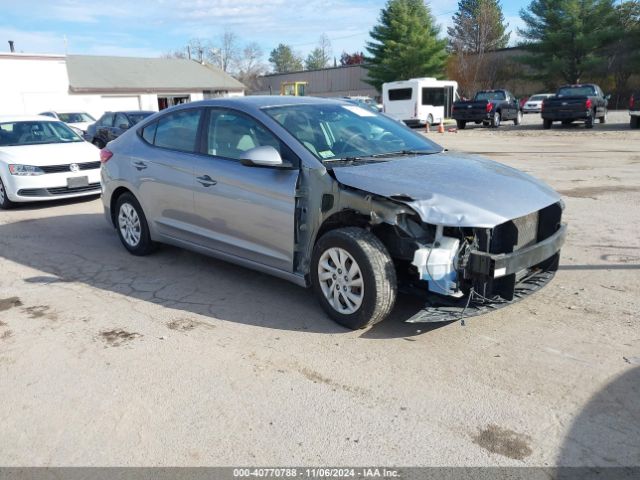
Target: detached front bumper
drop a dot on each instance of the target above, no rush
(499, 265)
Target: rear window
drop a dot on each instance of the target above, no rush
(400, 94)
(584, 91)
(537, 98)
(490, 96)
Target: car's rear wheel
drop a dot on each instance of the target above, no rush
(5, 203)
(546, 124)
(461, 124)
(603, 119)
(634, 122)
(518, 119)
(353, 277)
(132, 227)
(496, 119)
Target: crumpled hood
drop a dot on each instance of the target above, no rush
(453, 189)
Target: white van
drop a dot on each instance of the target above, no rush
(420, 100)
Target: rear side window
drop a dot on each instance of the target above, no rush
(149, 133)
(176, 131)
(400, 94)
(107, 120)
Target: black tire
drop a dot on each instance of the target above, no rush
(377, 272)
(546, 124)
(518, 120)
(145, 245)
(634, 122)
(496, 120)
(98, 143)
(461, 124)
(5, 203)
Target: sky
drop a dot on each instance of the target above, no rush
(150, 28)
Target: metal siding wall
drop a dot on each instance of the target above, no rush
(330, 82)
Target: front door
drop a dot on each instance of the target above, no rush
(245, 211)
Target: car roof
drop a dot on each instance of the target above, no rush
(26, 118)
(261, 101)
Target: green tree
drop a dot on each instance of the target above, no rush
(284, 59)
(478, 26)
(320, 57)
(405, 44)
(566, 38)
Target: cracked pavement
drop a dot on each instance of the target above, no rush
(178, 359)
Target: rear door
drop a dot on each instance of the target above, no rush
(164, 169)
(247, 212)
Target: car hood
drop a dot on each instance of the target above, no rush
(50, 154)
(453, 189)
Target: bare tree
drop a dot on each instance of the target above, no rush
(251, 65)
(225, 53)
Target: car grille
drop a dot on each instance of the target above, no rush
(52, 192)
(65, 168)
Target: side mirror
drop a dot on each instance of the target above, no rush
(123, 126)
(265, 156)
(607, 97)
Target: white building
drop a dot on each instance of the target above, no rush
(31, 84)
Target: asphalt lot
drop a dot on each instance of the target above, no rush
(179, 359)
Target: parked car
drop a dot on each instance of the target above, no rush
(489, 107)
(113, 124)
(42, 158)
(534, 103)
(78, 120)
(634, 110)
(573, 103)
(522, 101)
(344, 200)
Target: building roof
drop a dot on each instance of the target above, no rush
(89, 73)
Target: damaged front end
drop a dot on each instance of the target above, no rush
(466, 271)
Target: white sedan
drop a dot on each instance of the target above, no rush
(534, 103)
(43, 159)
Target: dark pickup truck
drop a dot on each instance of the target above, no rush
(489, 107)
(573, 103)
(634, 109)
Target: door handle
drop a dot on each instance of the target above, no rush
(206, 181)
(140, 165)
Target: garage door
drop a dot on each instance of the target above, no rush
(114, 104)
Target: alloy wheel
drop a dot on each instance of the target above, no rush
(341, 280)
(129, 224)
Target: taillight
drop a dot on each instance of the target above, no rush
(489, 106)
(588, 104)
(105, 155)
(542, 105)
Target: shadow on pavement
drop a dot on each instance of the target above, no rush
(83, 248)
(605, 435)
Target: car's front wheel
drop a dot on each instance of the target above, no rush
(634, 122)
(461, 124)
(354, 277)
(132, 227)
(5, 203)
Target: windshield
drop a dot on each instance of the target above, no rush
(577, 91)
(348, 132)
(76, 117)
(35, 133)
(490, 96)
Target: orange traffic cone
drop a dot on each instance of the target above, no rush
(441, 127)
